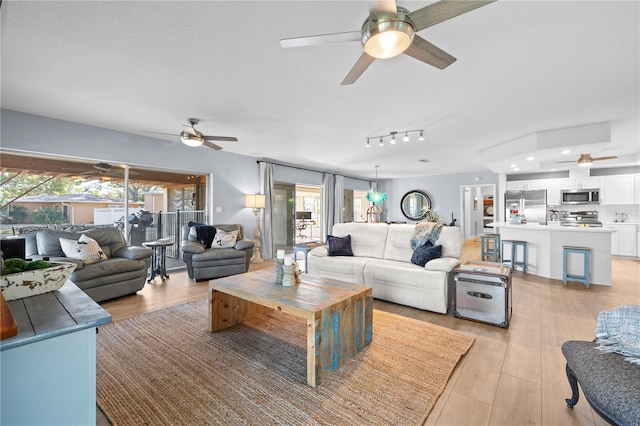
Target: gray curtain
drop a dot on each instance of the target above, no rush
(328, 202)
(266, 183)
(338, 197)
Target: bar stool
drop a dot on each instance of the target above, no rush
(490, 246)
(513, 261)
(586, 253)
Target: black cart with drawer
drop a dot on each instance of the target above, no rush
(483, 292)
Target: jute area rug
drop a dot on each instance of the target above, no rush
(166, 368)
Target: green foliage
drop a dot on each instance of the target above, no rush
(46, 215)
(19, 214)
(36, 264)
(14, 266)
(15, 263)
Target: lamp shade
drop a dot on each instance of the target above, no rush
(254, 201)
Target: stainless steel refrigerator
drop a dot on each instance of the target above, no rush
(530, 204)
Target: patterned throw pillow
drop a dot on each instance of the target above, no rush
(339, 246)
(224, 239)
(85, 249)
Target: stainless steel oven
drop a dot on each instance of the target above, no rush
(580, 196)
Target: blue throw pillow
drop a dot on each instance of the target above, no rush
(339, 246)
(425, 253)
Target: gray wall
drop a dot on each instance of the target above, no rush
(233, 175)
(444, 191)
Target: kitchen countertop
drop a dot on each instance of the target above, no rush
(554, 228)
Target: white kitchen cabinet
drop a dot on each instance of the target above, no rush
(624, 242)
(637, 195)
(553, 192)
(586, 182)
(521, 185)
(618, 189)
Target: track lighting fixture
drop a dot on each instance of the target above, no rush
(392, 136)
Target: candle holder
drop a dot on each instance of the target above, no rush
(279, 263)
(288, 277)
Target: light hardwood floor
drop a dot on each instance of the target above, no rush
(509, 377)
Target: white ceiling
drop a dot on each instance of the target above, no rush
(523, 67)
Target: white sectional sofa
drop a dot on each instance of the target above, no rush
(382, 259)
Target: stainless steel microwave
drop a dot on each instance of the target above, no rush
(580, 196)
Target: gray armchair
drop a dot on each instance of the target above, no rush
(207, 264)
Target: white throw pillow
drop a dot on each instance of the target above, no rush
(224, 239)
(85, 249)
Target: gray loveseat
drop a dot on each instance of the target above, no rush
(123, 273)
(207, 264)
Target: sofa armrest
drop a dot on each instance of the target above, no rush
(444, 264)
(192, 247)
(321, 251)
(133, 252)
(244, 244)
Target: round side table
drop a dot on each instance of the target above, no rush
(159, 259)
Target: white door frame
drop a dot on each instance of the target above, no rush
(466, 208)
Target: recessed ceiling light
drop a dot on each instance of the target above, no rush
(513, 165)
(566, 151)
(515, 169)
(531, 158)
(553, 170)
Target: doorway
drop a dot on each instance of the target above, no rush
(478, 206)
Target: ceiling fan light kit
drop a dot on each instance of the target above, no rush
(387, 36)
(392, 136)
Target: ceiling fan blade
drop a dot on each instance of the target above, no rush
(211, 145)
(442, 11)
(361, 65)
(159, 133)
(568, 161)
(426, 52)
(321, 39)
(220, 138)
(604, 158)
(388, 6)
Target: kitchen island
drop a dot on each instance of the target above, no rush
(544, 248)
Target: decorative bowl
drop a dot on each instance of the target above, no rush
(38, 281)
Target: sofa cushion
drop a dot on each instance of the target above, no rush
(451, 240)
(218, 254)
(85, 249)
(339, 246)
(112, 267)
(426, 253)
(367, 239)
(397, 246)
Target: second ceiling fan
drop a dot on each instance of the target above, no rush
(390, 30)
(192, 137)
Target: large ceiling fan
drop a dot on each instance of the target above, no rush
(192, 137)
(587, 160)
(390, 30)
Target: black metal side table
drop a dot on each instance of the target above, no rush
(159, 259)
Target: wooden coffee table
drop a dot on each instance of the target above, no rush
(339, 315)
